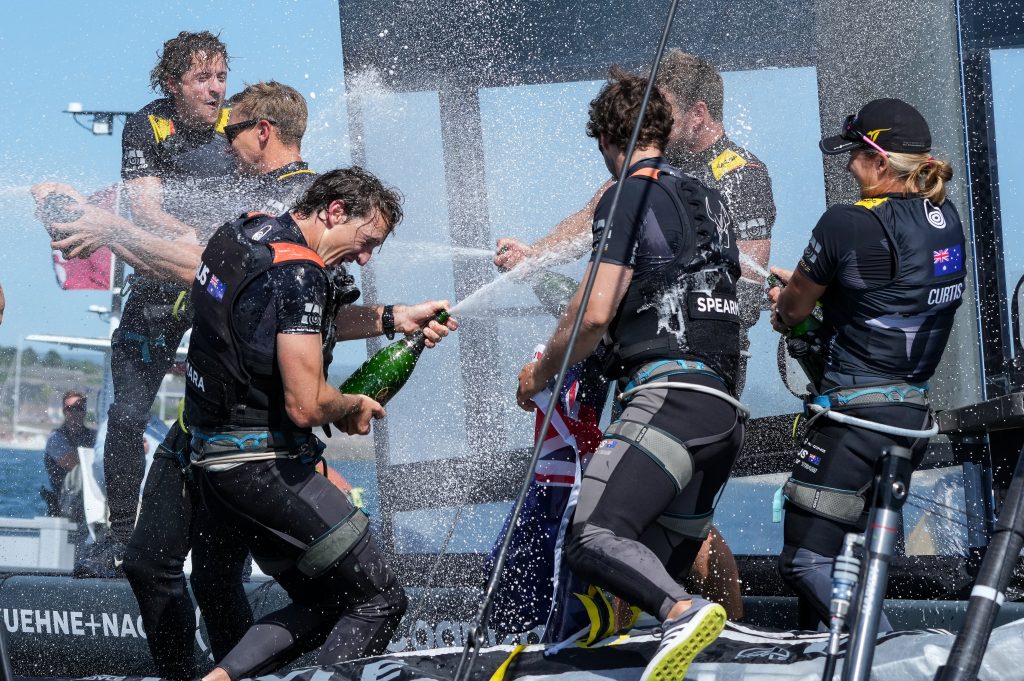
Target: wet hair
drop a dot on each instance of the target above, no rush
(71, 393)
(277, 102)
(614, 111)
(922, 174)
(690, 79)
(176, 57)
(360, 190)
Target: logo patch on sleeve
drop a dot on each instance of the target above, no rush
(136, 160)
(726, 162)
(262, 232)
(312, 315)
(811, 252)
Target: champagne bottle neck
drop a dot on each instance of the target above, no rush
(417, 340)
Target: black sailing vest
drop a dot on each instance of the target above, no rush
(898, 331)
(685, 308)
(228, 383)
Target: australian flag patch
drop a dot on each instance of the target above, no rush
(947, 260)
(216, 287)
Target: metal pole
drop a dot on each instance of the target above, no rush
(845, 573)
(988, 595)
(892, 482)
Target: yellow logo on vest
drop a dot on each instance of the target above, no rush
(222, 120)
(873, 134)
(162, 127)
(871, 203)
(726, 162)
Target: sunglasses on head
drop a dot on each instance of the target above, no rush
(232, 131)
(852, 132)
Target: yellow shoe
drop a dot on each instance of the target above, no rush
(684, 637)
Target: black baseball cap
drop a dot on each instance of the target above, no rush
(888, 124)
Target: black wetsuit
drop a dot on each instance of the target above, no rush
(350, 605)
(645, 506)
(195, 168)
(894, 268)
(743, 180)
(172, 521)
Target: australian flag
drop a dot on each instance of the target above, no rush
(947, 260)
(530, 579)
(216, 287)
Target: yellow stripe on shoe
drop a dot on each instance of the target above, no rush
(681, 644)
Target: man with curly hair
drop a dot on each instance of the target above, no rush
(174, 157)
(665, 296)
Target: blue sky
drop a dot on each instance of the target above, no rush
(99, 54)
(1008, 110)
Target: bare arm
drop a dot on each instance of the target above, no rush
(145, 196)
(97, 227)
(146, 252)
(794, 303)
(570, 237)
(609, 288)
(308, 399)
(574, 229)
(159, 258)
(364, 321)
(358, 321)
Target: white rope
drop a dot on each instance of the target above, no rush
(744, 412)
(220, 460)
(873, 425)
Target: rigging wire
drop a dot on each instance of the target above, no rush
(476, 633)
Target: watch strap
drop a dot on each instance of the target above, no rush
(387, 321)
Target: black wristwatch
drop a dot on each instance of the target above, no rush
(387, 321)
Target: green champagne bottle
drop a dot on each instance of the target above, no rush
(804, 343)
(811, 323)
(384, 374)
(554, 291)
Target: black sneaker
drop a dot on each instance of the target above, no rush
(684, 637)
(102, 560)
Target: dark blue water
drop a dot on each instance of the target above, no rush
(22, 474)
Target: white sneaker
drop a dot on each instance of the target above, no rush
(684, 637)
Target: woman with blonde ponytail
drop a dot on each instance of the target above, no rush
(922, 174)
(889, 273)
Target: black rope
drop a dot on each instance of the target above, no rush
(928, 511)
(475, 636)
(946, 507)
(6, 671)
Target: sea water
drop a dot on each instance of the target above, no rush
(22, 474)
